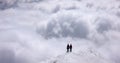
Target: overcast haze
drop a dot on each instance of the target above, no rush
(37, 31)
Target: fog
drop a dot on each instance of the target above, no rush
(32, 31)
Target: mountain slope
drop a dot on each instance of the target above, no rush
(89, 57)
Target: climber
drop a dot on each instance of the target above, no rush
(70, 47)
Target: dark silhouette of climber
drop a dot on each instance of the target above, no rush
(69, 48)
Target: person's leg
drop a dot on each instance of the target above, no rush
(70, 49)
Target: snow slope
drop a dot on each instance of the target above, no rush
(81, 57)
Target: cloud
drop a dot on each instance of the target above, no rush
(26, 44)
(103, 25)
(7, 56)
(118, 14)
(65, 26)
(5, 4)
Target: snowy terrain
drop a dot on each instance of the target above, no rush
(78, 58)
(37, 31)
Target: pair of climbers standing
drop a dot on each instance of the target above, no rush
(69, 47)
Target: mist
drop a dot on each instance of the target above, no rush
(33, 31)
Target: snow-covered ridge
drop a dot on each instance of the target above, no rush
(81, 57)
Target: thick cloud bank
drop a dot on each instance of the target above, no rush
(65, 26)
(33, 31)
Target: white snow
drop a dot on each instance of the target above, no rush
(86, 57)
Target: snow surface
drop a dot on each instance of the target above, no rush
(78, 58)
(34, 31)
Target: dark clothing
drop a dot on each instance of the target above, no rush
(69, 47)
